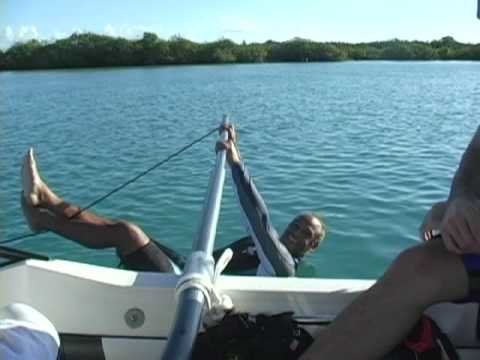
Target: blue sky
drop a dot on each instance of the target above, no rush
(206, 20)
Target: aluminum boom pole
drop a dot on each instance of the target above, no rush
(191, 301)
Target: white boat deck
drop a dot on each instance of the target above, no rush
(93, 300)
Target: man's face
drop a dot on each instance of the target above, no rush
(305, 234)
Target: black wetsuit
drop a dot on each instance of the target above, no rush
(262, 250)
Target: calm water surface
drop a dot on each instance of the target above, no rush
(370, 145)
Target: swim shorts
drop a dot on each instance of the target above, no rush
(472, 265)
(153, 257)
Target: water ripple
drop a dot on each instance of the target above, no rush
(369, 145)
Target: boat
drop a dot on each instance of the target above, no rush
(115, 314)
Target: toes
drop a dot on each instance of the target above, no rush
(30, 178)
(32, 164)
(34, 199)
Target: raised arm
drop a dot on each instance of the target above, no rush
(275, 259)
(460, 226)
(466, 182)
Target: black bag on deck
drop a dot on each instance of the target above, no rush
(245, 337)
(425, 342)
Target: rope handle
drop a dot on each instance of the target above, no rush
(218, 304)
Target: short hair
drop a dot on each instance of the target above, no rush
(304, 233)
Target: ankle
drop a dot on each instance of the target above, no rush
(48, 198)
(44, 218)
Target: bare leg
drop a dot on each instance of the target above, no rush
(382, 316)
(37, 193)
(45, 210)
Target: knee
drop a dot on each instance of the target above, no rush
(420, 270)
(130, 236)
(415, 261)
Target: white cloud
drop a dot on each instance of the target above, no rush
(78, 31)
(128, 31)
(57, 35)
(8, 35)
(132, 31)
(109, 30)
(27, 32)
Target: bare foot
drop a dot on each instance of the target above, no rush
(31, 215)
(31, 180)
(35, 191)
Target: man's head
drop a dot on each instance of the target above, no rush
(303, 234)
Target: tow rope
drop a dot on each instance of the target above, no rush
(122, 186)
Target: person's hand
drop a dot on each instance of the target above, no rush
(432, 221)
(233, 155)
(231, 131)
(460, 227)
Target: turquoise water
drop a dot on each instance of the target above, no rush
(370, 145)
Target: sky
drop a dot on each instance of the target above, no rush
(242, 20)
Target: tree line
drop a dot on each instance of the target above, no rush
(93, 50)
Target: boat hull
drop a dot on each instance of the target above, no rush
(127, 314)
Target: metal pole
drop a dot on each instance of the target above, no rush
(191, 301)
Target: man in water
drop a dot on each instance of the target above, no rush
(444, 268)
(264, 250)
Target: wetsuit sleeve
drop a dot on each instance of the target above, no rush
(275, 259)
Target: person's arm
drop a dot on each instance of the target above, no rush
(466, 182)
(275, 259)
(460, 226)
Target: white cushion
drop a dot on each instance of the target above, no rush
(26, 334)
